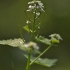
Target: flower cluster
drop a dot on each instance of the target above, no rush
(55, 38)
(31, 45)
(36, 7)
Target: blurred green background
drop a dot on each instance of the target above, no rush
(56, 20)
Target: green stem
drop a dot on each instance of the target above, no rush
(20, 30)
(33, 27)
(12, 65)
(41, 54)
(28, 63)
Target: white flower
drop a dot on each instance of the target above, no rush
(31, 8)
(28, 22)
(35, 5)
(31, 45)
(37, 13)
(31, 2)
(38, 27)
(40, 4)
(55, 36)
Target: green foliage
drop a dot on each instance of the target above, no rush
(44, 62)
(12, 42)
(32, 26)
(43, 40)
(17, 43)
(27, 28)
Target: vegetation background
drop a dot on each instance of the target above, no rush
(56, 20)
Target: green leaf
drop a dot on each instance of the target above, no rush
(37, 51)
(44, 62)
(17, 43)
(55, 41)
(14, 42)
(27, 28)
(43, 40)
